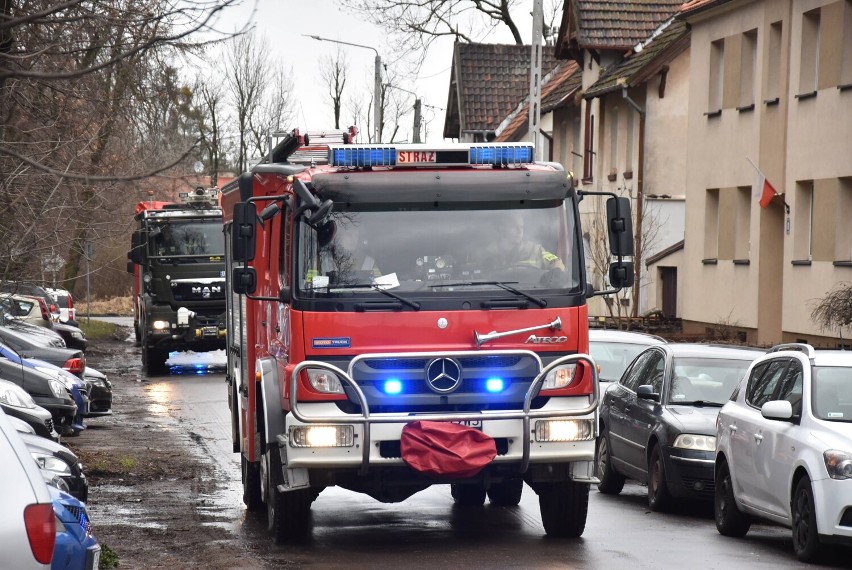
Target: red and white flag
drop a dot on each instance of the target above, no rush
(764, 191)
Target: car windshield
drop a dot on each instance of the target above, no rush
(613, 358)
(832, 393)
(190, 238)
(705, 380)
(437, 251)
(16, 307)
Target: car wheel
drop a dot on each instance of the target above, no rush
(468, 495)
(659, 498)
(288, 515)
(251, 484)
(506, 494)
(564, 507)
(611, 482)
(805, 534)
(730, 520)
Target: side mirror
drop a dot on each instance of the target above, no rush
(130, 266)
(244, 280)
(646, 392)
(284, 295)
(243, 235)
(137, 245)
(620, 226)
(321, 212)
(621, 274)
(777, 410)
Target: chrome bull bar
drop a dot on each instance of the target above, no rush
(365, 420)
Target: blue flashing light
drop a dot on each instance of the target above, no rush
(393, 387)
(362, 156)
(498, 154)
(494, 385)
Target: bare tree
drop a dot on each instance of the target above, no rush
(210, 114)
(333, 71)
(247, 76)
(276, 111)
(834, 310)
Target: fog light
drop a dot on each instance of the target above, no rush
(494, 385)
(322, 436)
(393, 387)
(160, 325)
(563, 430)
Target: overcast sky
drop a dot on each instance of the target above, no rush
(284, 22)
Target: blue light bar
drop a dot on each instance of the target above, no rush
(393, 387)
(499, 154)
(362, 156)
(494, 385)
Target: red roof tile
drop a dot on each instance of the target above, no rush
(491, 78)
(619, 24)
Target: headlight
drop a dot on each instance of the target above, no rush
(160, 325)
(559, 377)
(58, 389)
(695, 442)
(324, 381)
(15, 396)
(51, 463)
(75, 334)
(146, 278)
(564, 430)
(838, 463)
(322, 436)
(59, 377)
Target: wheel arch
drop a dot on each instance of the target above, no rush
(270, 401)
(798, 474)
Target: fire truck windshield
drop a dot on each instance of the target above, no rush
(196, 238)
(435, 251)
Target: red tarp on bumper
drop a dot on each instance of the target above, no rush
(446, 449)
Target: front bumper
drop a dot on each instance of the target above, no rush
(833, 504)
(689, 473)
(62, 411)
(376, 437)
(100, 399)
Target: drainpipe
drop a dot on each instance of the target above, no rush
(640, 201)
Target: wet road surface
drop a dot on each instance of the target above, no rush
(428, 531)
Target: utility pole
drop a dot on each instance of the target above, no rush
(415, 135)
(377, 86)
(535, 77)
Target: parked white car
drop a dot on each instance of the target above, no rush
(784, 448)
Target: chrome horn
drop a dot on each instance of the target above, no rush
(483, 338)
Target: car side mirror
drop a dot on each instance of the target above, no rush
(646, 392)
(137, 245)
(777, 410)
(130, 266)
(244, 280)
(620, 226)
(243, 234)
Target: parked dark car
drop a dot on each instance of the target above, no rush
(614, 350)
(100, 393)
(658, 424)
(73, 336)
(43, 335)
(47, 391)
(32, 290)
(74, 361)
(61, 461)
(17, 403)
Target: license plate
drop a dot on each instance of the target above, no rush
(475, 424)
(209, 331)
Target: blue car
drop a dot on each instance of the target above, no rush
(76, 546)
(75, 385)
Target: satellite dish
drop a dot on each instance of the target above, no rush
(198, 167)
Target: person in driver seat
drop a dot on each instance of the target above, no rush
(515, 250)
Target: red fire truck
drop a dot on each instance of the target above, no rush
(407, 315)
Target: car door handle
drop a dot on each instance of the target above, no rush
(758, 438)
(733, 428)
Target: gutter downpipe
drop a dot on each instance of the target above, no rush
(640, 200)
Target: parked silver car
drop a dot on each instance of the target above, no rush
(28, 524)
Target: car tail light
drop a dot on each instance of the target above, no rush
(45, 314)
(41, 530)
(75, 365)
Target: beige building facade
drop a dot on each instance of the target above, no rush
(770, 83)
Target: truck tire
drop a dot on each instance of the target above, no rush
(564, 507)
(468, 495)
(611, 482)
(288, 515)
(506, 494)
(137, 337)
(251, 485)
(154, 361)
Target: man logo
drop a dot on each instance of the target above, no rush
(546, 339)
(205, 292)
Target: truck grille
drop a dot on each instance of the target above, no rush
(198, 291)
(81, 516)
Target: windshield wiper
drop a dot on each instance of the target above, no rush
(699, 403)
(502, 284)
(413, 304)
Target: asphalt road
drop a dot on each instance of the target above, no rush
(427, 531)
